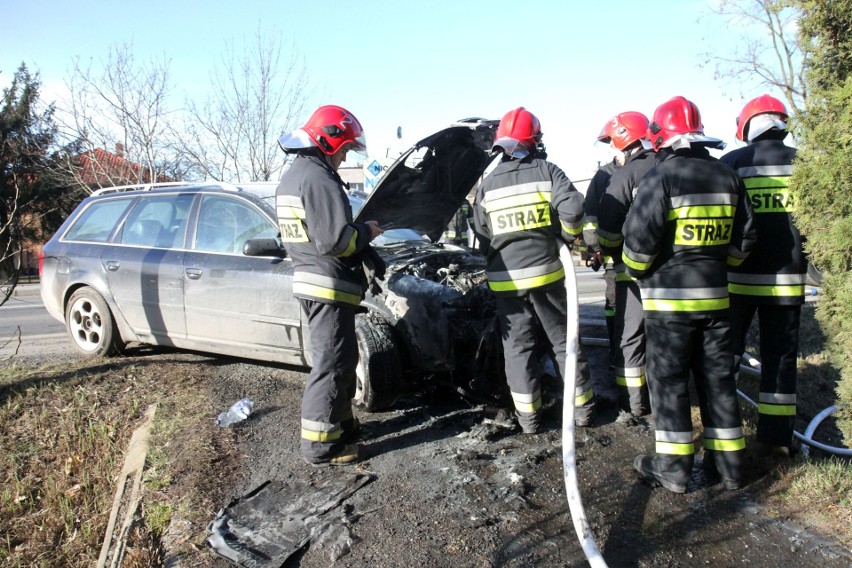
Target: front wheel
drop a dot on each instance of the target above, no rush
(378, 371)
(90, 324)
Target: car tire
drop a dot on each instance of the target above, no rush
(814, 276)
(379, 369)
(90, 324)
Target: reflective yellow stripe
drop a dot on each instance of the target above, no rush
(724, 445)
(624, 277)
(518, 200)
(734, 261)
(765, 182)
(528, 407)
(608, 242)
(675, 449)
(350, 248)
(776, 409)
(317, 436)
(630, 381)
(315, 291)
(582, 399)
(751, 290)
(634, 264)
(572, 229)
(609, 312)
(701, 212)
(525, 283)
(660, 305)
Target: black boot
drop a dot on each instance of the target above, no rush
(711, 472)
(662, 471)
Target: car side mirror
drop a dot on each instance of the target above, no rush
(264, 247)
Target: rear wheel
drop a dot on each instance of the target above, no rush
(378, 372)
(814, 277)
(90, 324)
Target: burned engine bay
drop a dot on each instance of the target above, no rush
(437, 299)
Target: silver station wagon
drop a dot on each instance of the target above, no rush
(199, 266)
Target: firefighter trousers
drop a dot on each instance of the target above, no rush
(779, 347)
(700, 347)
(523, 319)
(327, 400)
(629, 364)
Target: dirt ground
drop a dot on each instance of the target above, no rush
(455, 484)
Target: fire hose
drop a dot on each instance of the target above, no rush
(569, 461)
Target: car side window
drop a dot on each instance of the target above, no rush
(225, 224)
(157, 221)
(96, 223)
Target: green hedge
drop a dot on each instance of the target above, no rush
(822, 179)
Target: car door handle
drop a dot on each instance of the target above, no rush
(113, 265)
(193, 273)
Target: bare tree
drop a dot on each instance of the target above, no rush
(255, 98)
(769, 53)
(119, 113)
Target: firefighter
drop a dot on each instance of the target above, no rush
(456, 232)
(771, 281)
(327, 248)
(594, 256)
(690, 217)
(521, 211)
(626, 132)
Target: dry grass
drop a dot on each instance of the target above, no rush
(65, 431)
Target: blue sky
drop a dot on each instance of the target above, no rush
(418, 65)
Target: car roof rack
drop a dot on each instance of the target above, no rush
(161, 185)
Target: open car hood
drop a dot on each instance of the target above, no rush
(424, 197)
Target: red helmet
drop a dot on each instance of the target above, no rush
(329, 128)
(760, 105)
(624, 129)
(675, 116)
(518, 133)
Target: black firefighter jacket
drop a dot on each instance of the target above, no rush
(774, 273)
(594, 195)
(617, 200)
(316, 225)
(690, 219)
(520, 212)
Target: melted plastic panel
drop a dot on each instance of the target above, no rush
(275, 520)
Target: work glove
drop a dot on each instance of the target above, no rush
(594, 260)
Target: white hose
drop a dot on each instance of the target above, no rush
(569, 462)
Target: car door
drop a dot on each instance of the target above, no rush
(237, 304)
(144, 267)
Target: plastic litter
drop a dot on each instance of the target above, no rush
(237, 413)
